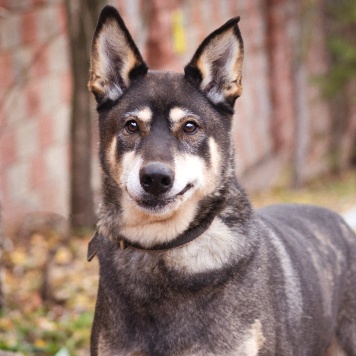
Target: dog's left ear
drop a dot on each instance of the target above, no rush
(93, 246)
(115, 59)
(216, 65)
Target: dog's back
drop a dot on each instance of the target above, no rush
(315, 250)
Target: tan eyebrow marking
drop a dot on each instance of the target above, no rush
(176, 114)
(144, 114)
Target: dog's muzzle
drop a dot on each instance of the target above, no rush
(156, 178)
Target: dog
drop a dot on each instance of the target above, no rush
(187, 266)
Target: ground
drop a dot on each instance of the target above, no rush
(50, 288)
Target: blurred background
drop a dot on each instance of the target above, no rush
(294, 133)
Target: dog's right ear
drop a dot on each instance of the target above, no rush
(115, 59)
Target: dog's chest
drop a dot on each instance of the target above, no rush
(250, 345)
(186, 328)
(155, 310)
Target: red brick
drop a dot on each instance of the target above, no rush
(6, 71)
(33, 99)
(2, 116)
(38, 2)
(62, 19)
(196, 20)
(120, 7)
(234, 8)
(8, 152)
(29, 27)
(4, 189)
(37, 172)
(46, 136)
(66, 87)
(4, 4)
(216, 11)
(40, 66)
(241, 155)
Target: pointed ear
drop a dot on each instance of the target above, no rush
(115, 59)
(216, 65)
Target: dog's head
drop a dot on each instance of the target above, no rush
(164, 137)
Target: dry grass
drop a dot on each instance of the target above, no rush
(337, 193)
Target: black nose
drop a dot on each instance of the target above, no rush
(156, 178)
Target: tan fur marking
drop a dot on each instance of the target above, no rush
(335, 349)
(176, 114)
(149, 229)
(254, 341)
(144, 114)
(214, 156)
(114, 166)
(111, 152)
(208, 252)
(129, 173)
(102, 349)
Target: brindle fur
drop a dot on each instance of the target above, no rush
(277, 281)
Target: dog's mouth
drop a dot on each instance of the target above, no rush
(156, 204)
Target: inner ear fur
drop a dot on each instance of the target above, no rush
(115, 59)
(217, 64)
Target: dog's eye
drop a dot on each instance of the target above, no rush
(190, 127)
(131, 126)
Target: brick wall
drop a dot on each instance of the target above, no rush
(34, 102)
(35, 88)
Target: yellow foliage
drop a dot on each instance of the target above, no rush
(40, 343)
(179, 42)
(19, 257)
(6, 324)
(63, 256)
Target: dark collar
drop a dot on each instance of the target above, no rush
(184, 238)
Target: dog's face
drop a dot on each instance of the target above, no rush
(164, 137)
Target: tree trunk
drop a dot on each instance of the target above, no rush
(303, 23)
(301, 125)
(82, 16)
(340, 86)
(279, 54)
